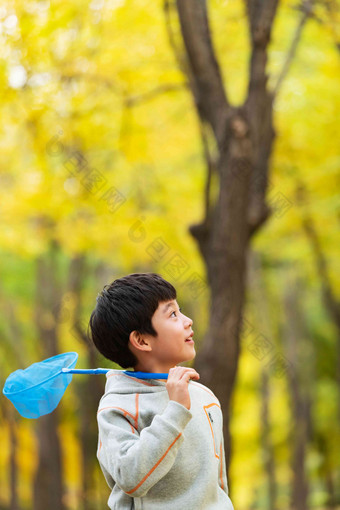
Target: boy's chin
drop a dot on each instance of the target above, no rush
(189, 358)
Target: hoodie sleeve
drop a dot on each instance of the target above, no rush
(137, 461)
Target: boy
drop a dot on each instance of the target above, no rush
(160, 442)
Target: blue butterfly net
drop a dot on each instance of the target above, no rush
(38, 389)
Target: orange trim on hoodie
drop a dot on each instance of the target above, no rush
(126, 413)
(212, 431)
(205, 389)
(154, 467)
(221, 472)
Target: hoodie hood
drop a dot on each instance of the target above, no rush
(119, 383)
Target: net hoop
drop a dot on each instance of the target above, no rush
(8, 393)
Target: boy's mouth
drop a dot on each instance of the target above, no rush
(189, 339)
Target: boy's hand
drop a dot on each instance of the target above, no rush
(177, 384)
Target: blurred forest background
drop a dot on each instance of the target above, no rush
(104, 164)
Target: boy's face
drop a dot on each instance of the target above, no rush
(171, 346)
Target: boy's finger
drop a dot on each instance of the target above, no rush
(190, 374)
(183, 370)
(180, 372)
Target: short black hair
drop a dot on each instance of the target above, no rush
(127, 304)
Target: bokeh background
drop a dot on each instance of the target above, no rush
(103, 169)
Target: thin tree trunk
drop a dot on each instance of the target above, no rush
(89, 388)
(48, 489)
(332, 305)
(90, 391)
(13, 463)
(14, 350)
(9, 414)
(325, 470)
(299, 384)
(330, 487)
(260, 298)
(268, 453)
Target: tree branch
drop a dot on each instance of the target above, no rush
(205, 80)
(183, 65)
(333, 10)
(176, 46)
(306, 9)
(102, 80)
(129, 100)
(211, 167)
(261, 15)
(151, 94)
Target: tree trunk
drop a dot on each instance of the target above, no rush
(242, 141)
(332, 305)
(48, 487)
(14, 502)
(261, 300)
(325, 470)
(224, 248)
(300, 383)
(10, 415)
(268, 453)
(89, 389)
(15, 350)
(244, 138)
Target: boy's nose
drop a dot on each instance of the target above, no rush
(187, 320)
(190, 321)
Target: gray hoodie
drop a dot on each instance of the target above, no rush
(156, 454)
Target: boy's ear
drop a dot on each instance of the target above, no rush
(139, 342)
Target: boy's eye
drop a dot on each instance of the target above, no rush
(180, 309)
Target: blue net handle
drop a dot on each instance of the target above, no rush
(139, 375)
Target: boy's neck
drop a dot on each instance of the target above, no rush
(153, 368)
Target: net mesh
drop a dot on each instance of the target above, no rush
(38, 389)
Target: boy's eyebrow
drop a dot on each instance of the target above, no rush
(168, 306)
